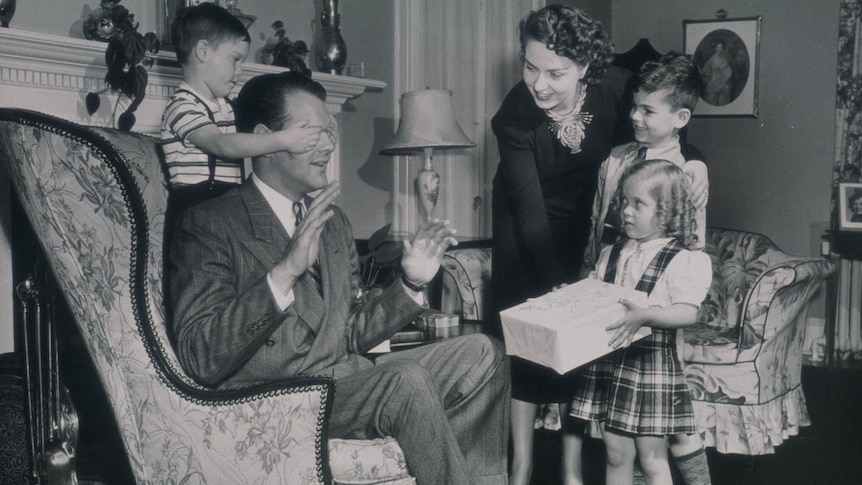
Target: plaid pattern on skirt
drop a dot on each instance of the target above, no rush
(640, 389)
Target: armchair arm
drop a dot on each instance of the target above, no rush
(267, 433)
(466, 279)
(778, 297)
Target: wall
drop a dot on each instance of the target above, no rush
(600, 10)
(67, 18)
(366, 176)
(771, 174)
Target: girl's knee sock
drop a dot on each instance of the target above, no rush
(639, 478)
(694, 468)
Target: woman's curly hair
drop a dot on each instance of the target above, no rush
(667, 185)
(571, 33)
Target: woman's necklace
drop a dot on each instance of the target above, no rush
(569, 127)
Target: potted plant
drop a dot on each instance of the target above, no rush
(281, 51)
(127, 57)
(381, 264)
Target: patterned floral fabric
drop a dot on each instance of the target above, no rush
(466, 280)
(848, 102)
(361, 462)
(72, 192)
(744, 356)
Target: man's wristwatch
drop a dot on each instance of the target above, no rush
(413, 286)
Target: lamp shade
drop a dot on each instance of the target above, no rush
(427, 121)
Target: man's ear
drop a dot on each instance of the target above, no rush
(201, 50)
(259, 129)
(683, 115)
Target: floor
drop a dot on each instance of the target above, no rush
(827, 452)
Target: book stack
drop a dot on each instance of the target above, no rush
(430, 326)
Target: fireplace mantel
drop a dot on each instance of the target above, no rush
(53, 74)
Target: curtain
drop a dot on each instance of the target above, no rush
(848, 156)
(848, 168)
(472, 49)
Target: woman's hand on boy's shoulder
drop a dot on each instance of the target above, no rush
(697, 176)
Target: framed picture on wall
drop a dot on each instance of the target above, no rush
(850, 210)
(170, 12)
(727, 51)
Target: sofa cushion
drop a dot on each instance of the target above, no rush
(716, 344)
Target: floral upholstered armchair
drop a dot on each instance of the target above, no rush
(96, 200)
(743, 359)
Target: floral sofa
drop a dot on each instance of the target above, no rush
(96, 199)
(743, 358)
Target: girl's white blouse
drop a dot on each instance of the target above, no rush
(686, 279)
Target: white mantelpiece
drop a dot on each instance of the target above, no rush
(53, 74)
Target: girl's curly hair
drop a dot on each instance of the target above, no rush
(571, 33)
(667, 185)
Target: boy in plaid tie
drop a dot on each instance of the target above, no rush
(665, 94)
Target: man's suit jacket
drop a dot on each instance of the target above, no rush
(228, 330)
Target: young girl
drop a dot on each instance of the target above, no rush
(639, 393)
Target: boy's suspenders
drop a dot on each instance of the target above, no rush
(211, 159)
(653, 271)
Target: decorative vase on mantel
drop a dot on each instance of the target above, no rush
(7, 11)
(332, 52)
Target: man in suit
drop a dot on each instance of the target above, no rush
(264, 285)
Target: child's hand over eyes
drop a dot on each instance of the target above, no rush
(625, 328)
(299, 137)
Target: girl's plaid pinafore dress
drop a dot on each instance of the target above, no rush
(640, 389)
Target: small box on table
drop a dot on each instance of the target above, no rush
(565, 329)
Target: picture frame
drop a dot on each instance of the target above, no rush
(169, 8)
(727, 51)
(850, 209)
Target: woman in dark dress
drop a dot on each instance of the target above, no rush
(554, 129)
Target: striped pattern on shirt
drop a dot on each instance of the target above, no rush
(185, 114)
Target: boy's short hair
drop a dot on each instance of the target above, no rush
(675, 73)
(206, 21)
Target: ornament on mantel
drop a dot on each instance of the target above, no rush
(231, 6)
(127, 57)
(332, 53)
(280, 51)
(7, 11)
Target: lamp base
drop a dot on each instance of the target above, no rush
(428, 188)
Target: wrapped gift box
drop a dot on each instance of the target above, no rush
(565, 329)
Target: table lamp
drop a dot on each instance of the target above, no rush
(427, 122)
